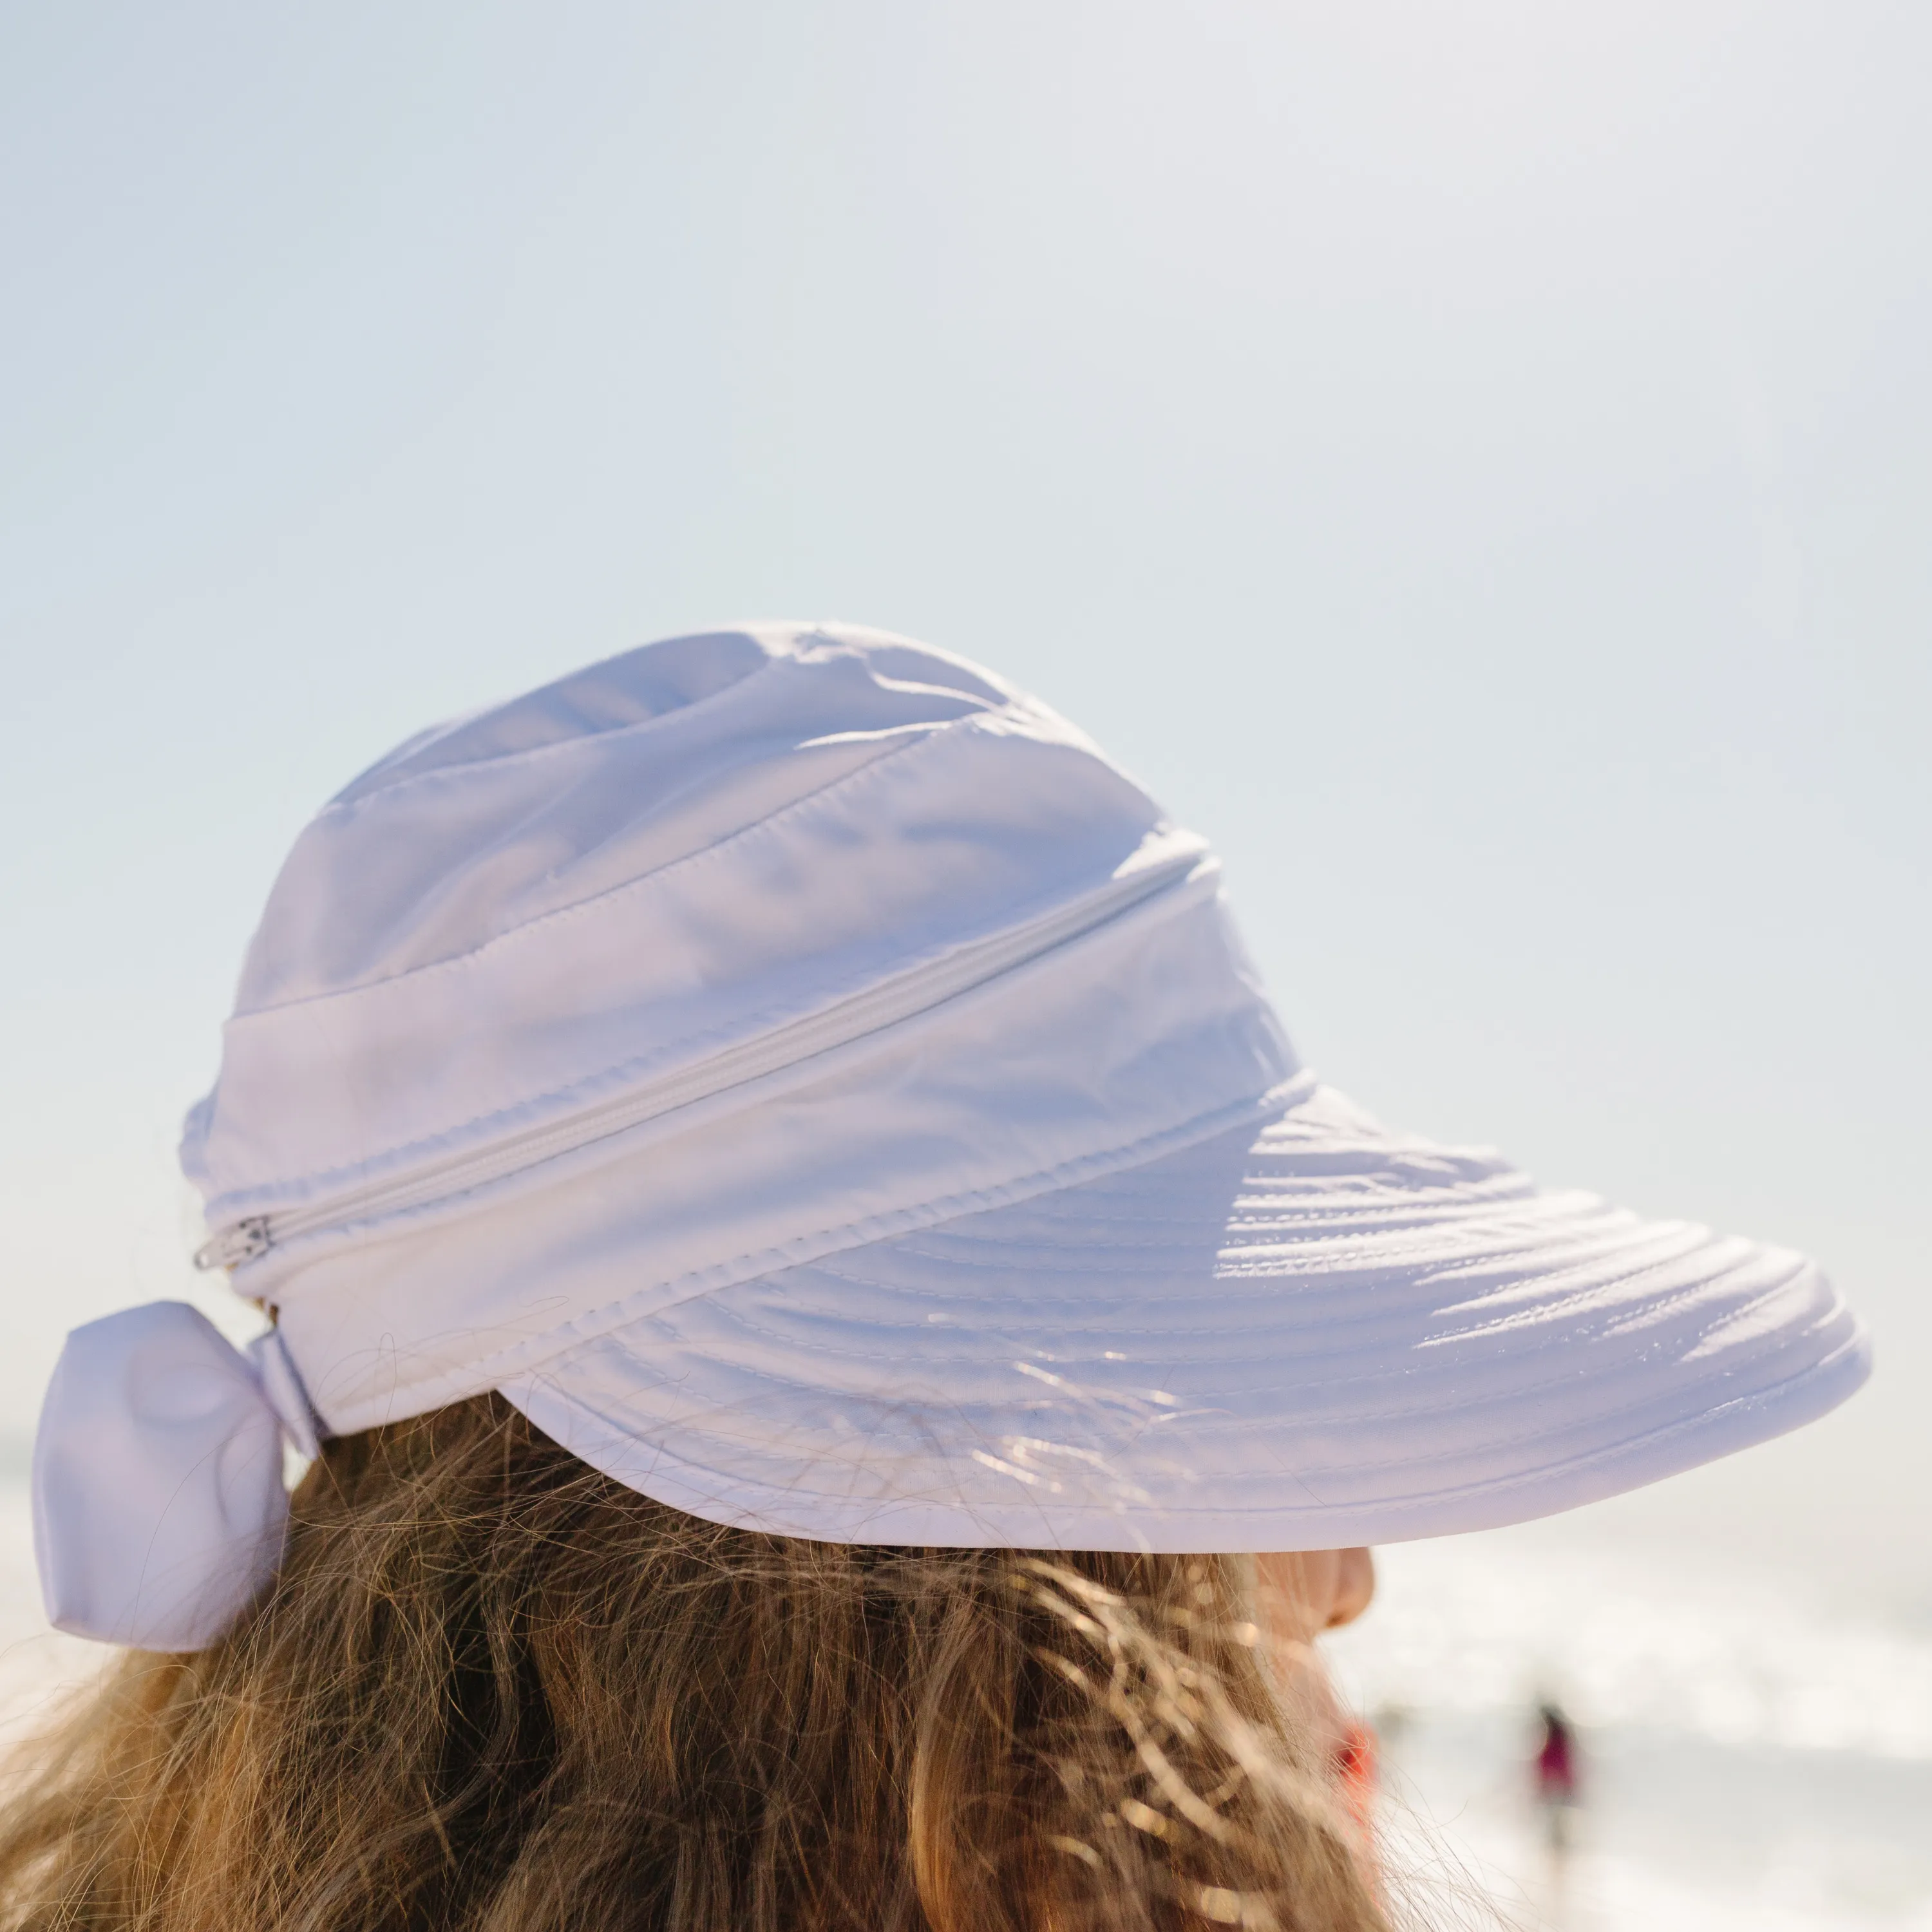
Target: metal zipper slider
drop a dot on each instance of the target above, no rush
(246, 1241)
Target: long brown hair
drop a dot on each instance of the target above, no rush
(493, 1690)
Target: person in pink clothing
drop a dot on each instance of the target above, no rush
(1556, 1769)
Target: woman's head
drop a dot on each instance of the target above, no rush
(800, 1073)
(492, 1688)
(792, 1072)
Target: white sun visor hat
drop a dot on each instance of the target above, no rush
(798, 1072)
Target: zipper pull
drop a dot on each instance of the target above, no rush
(246, 1241)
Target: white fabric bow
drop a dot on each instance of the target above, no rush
(159, 1502)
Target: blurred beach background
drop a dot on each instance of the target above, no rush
(1515, 420)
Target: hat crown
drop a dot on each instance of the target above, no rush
(475, 827)
(634, 867)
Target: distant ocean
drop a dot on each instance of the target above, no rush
(1750, 1764)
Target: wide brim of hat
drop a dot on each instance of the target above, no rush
(1318, 1335)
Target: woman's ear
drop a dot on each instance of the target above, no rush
(1300, 1593)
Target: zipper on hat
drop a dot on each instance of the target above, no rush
(251, 1236)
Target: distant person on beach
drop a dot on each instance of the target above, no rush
(1557, 1775)
(838, 1365)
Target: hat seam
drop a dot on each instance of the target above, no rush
(1521, 1192)
(1011, 698)
(1329, 1379)
(1354, 1217)
(1233, 1262)
(484, 1372)
(922, 1402)
(1072, 1263)
(1356, 1246)
(1411, 1499)
(558, 915)
(1663, 1302)
(341, 806)
(1521, 1437)
(1358, 1253)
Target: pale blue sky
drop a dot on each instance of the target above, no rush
(1473, 460)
